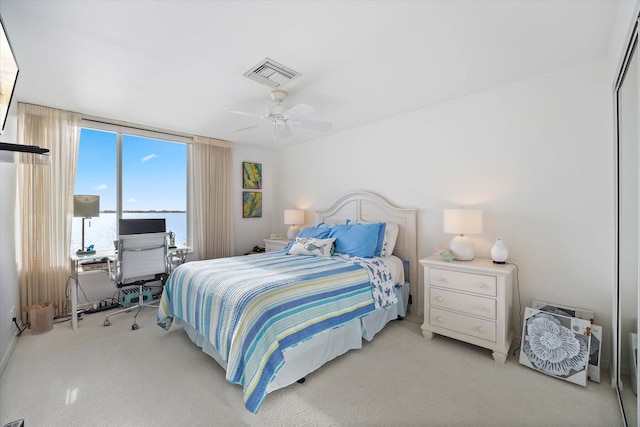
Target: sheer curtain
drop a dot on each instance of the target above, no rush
(210, 198)
(45, 204)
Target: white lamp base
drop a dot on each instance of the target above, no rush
(292, 232)
(461, 248)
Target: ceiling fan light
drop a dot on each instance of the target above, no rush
(275, 110)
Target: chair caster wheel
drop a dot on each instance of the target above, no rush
(106, 323)
(301, 380)
(134, 326)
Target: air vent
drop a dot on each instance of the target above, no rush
(270, 73)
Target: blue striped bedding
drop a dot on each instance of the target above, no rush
(251, 308)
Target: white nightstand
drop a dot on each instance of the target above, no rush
(469, 301)
(275, 244)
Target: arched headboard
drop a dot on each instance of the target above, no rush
(368, 207)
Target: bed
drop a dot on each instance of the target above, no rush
(270, 319)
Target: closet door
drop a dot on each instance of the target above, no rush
(628, 131)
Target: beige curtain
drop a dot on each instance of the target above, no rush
(210, 198)
(45, 205)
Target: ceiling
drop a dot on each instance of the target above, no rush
(178, 65)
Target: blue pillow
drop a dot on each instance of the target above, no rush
(315, 232)
(356, 239)
(383, 226)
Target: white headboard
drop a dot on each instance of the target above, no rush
(367, 207)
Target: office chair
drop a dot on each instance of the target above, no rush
(139, 257)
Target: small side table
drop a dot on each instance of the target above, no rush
(469, 301)
(271, 245)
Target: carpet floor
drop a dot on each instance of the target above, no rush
(113, 376)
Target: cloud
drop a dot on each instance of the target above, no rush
(101, 187)
(149, 157)
(132, 200)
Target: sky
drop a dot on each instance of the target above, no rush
(153, 172)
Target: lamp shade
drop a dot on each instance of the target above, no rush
(462, 221)
(293, 217)
(85, 206)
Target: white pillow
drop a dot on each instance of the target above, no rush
(312, 246)
(390, 237)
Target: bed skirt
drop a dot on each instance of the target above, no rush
(311, 354)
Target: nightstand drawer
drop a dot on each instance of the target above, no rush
(476, 283)
(464, 324)
(471, 304)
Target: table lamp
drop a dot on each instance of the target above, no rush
(461, 222)
(85, 207)
(293, 217)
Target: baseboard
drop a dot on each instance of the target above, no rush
(7, 355)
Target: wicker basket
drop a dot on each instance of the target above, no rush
(41, 317)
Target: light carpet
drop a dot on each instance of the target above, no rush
(113, 376)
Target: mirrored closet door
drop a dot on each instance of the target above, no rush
(628, 131)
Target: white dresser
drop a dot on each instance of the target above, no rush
(469, 301)
(275, 244)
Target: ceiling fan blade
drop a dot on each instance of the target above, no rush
(282, 132)
(299, 110)
(247, 114)
(310, 124)
(247, 128)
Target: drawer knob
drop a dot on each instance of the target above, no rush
(481, 307)
(440, 299)
(439, 319)
(441, 279)
(481, 285)
(481, 329)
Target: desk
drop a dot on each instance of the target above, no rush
(177, 255)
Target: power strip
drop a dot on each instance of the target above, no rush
(102, 308)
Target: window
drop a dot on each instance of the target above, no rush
(147, 180)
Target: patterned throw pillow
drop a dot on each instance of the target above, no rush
(312, 246)
(390, 237)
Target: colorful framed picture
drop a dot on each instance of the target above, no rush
(252, 175)
(251, 204)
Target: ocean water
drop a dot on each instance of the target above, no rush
(101, 231)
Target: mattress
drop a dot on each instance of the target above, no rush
(252, 309)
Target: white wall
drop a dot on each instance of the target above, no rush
(8, 270)
(249, 232)
(536, 156)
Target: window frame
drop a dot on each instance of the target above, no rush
(134, 130)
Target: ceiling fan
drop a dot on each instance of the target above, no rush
(282, 117)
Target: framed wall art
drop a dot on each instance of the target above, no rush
(8, 75)
(251, 204)
(556, 345)
(593, 372)
(633, 360)
(580, 313)
(252, 175)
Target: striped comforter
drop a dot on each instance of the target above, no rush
(251, 308)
